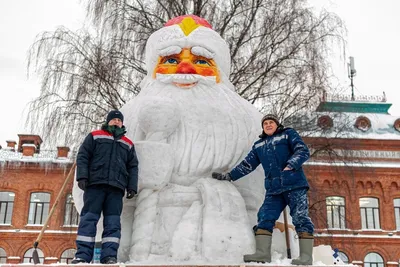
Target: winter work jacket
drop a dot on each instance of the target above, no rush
(105, 159)
(284, 148)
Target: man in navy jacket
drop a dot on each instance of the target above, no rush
(281, 152)
(107, 165)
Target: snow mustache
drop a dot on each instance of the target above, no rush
(186, 80)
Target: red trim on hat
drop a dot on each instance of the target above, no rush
(197, 19)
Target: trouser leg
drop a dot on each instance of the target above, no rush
(112, 209)
(93, 198)
(269, 212)
(298, 204)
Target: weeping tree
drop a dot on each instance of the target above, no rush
(279, 51)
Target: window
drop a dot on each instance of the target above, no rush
(28, 255)
(71, 216)
(336, 213)
(6, 207)
(343, 257)
(3, 256)
(396, 203)
(67, 256)
(373, 260)
(38, 208)
(369, 208)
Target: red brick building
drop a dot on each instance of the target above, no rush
(30, 182)
(354, 197)
(355, 178)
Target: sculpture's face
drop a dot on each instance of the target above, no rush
(186, 62)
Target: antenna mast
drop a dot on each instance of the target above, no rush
(351, 72)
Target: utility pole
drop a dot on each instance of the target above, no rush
(351, 72)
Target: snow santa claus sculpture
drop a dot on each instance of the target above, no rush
(186, 123)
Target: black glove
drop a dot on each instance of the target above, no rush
(221, 176)
(130, 194)
(82, 184)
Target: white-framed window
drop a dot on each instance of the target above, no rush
(336, 212)
(28, 255)
(71, 216)
(3, 256)
(38, 208)
(67, 255)
(396, 204)
(369, 208)
(6, 207)
(373, 260)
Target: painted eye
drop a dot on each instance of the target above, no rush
(170, 61)
(202, 62)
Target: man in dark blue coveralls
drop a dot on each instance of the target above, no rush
(281, 152)
(106, 166)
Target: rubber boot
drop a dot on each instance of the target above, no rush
(263, 247)
(306, 252)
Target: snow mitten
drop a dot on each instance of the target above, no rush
(82, 184)
(221, 176)
(130, 194)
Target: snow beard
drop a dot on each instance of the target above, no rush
(210, 127)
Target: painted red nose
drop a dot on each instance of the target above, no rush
(186, 68)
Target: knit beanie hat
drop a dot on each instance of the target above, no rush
(114, 114)
(270, 117)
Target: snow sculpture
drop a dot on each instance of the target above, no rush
(186, 123)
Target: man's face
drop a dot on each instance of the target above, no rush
(187, 63)
(269, 127)
(116, 121)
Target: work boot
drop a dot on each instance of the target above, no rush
(78, 260)
(306, 244)
(110, 260)
(263, 247)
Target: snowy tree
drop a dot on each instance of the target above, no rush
(279, 51)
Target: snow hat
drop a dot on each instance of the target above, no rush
(114, 114)
(270, 117)
(187, 31)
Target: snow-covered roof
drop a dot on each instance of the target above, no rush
(355, 164)
(45, 156)
(347, 125)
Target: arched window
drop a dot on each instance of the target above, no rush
(343, 257)
(373, 260)
(71, 216)
(67, 256)
(38, 208)
(6, 207)
(396, 203)
(369, 208)
(336, 212)
(3, 256)
(28, 255)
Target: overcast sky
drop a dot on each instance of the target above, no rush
(20, 22)
(373, 40)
